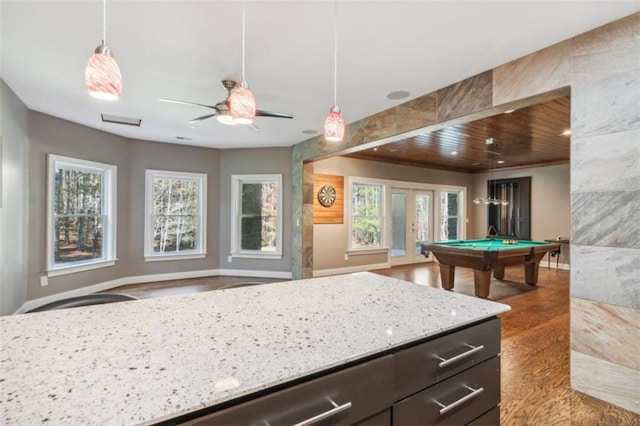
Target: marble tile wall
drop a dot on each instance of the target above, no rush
(465, 97)
(606, 380)
(602, 69)
(605, 213)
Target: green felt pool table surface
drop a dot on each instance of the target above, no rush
(491, 244)
(487, 255)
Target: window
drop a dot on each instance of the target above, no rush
(367, 216)
(256, 216)
(81, 215)
(450, 210)
(175, 215)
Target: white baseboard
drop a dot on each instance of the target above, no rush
(260, 274)
(139, 279)
(564, 266)
(350, 269)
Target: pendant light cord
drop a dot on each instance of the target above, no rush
(243, 37)
(104, 22)
(335, 53)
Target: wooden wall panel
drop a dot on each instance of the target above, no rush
(335, 213)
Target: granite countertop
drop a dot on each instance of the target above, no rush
(149, 360)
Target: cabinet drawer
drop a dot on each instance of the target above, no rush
(428, 363)
(490, 418)
(457, 400)
(346, 397)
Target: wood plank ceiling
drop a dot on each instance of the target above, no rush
(527, 137)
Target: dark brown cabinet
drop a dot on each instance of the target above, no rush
(449, 379)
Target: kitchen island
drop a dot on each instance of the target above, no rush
(157, 360)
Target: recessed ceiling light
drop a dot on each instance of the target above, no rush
(509, 111)
(398, 94)
(566, 132)
(375, 148)
(309, 132)
(500, 161)
(454, 152)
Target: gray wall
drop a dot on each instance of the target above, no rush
(331, 240)
(161, 156)
(14, 149)
(52, 135)
(550, 202)
(254, 161)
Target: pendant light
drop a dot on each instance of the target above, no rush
(102, 74)
(242, 104)
(334, 123)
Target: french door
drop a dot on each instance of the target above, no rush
(411, 224)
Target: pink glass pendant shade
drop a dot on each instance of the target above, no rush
(334, 125)
(242, 104)
(102, 75)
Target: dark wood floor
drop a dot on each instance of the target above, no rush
(535, 342)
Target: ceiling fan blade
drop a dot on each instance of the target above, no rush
(204, 117)
(263, 113)
(173, 101)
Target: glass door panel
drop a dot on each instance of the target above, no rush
(423, 208)
(411, 224)
(398, 224)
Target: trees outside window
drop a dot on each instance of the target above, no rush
(81, 218)
(367, 216)
(450, 210)
(175, 214)
(256, 216)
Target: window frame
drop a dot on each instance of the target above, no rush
(201, 251)
(236, 208)
(109, 183)
(460, 216)
(383, 247)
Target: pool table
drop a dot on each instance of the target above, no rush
(486, 255)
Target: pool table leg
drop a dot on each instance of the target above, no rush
(531, 273)
(447, 272)
(498, 271)
(482, 281)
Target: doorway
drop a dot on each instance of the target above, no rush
(411, 224)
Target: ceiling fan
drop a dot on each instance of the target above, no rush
(221, 109)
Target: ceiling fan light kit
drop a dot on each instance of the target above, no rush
(242, 104)
(334, 123)
(102, 75)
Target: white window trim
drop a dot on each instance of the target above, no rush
(384, 245)
(109, 209)
(462, 216)
(236, 252)
(201, 251)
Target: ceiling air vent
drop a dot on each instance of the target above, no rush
(121, 120)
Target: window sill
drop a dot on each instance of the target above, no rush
(269, 256)
(363, 252)
(80, 268)
(163, 257)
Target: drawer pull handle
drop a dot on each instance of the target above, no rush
(330, 413)
(471, 351)
(473, 394)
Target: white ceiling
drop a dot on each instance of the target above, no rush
(182, 49)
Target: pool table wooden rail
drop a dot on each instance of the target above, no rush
(484, 261)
